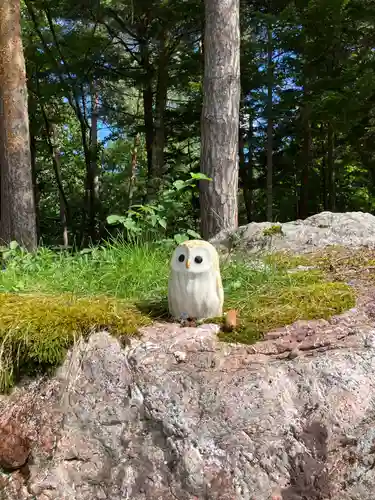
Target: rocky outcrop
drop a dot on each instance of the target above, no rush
(351, 229)
(179, 415)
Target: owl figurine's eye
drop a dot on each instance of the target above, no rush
(181, 258)
(198, 259)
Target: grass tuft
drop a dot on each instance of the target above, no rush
(48, 299)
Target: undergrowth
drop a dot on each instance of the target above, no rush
(49, 299)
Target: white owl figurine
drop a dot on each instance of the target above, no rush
(195, 289)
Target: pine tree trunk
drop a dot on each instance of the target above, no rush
(64, 207)
(303, 207)
(17, 216)
(159, 117)
(35, 184)
(249, 184)
(246, 171)
(55, 158)
(133, 167)
(93, 208)
(331, 174)
(323, 169)
(220, 117)
(148, 113)
(269, 126)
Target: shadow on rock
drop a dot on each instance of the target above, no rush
(309, 478)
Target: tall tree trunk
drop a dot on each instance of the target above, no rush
(248, 174)
(148, 113)
(303, 207)
(159, 117)
(17, 216)
(220, 117)
(133, 167)
(323, 169)
(64, 207)
(93, 174)
(35, 184)
(269, 125)
(331, 173)
(55, 158)
(243, 169)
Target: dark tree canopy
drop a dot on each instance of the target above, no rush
(115, 95)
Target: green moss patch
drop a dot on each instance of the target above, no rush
(286, 260)
(275, 298)
(36, 331)
(334, 261)
(274, 230)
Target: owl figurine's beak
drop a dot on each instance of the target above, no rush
(187, 264)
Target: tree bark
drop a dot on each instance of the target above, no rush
(159, 117)
(18, 215)
(133, 166)
(331, 174)
(269, 125)
(36, 192)
(148, 113)
(303, 206)
(323, 169)
(246, 172)
(93, 174)
(220, 117)
(55, 158)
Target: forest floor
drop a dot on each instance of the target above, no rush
(49, 299)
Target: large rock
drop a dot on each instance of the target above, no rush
(352, 229)
(179, 415)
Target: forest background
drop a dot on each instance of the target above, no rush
(115, 101)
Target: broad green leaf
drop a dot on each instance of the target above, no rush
(130, 225)
(162, 223)
(180, 238)
(200, 177)
(116, 219)
(194, 234)
(154, 220)
(179, 185)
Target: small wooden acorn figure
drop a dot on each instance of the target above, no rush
(230, 321)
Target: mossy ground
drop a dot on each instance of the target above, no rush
(276, 297)
(48, 299)
(36, 330)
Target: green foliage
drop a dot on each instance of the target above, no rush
(114, 52)
(151, 220)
